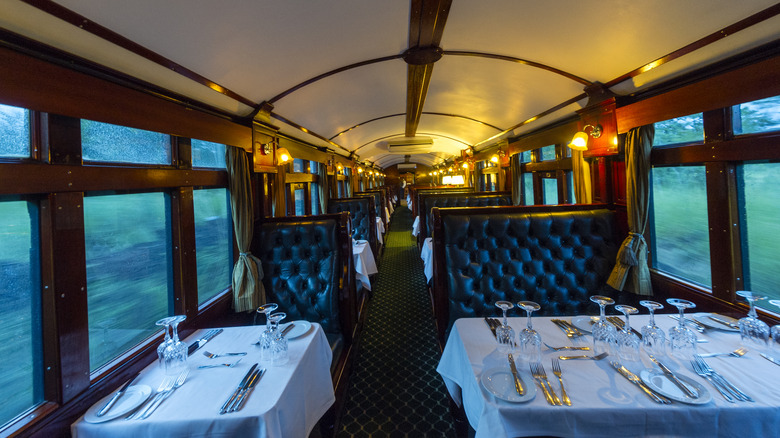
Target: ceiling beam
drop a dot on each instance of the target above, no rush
(426, 27)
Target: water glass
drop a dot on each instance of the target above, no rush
(682, 340)
(268, 333)
(175, 353)
(754, 332)
(653, 338)
(505, 335)
(603, 332)
(166, 324)
(627, 340)
(279, 349)
(530, 341)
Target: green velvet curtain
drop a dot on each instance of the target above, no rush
(324, 188)
(631, 271)
(248, 290)
(581, 177)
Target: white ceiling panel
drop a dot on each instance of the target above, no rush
(466, 131)
(372, 132)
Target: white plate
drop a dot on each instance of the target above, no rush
(500, 383)
(584, 322)
(660, 383)
(301, 328)
(131, 399)
(704, 319)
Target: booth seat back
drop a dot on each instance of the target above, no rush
(379, 198)
(446, 200)
(416, 191)
(307, 267)
(557, 256)
(362, 215)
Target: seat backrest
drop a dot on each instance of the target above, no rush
(418, 191)
(556, 256)
(307, 267)
(378, 202)
(362, 215)
(444, 200)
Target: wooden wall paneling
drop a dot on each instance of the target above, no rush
(185, 276)
(60, 139)
(725, 244)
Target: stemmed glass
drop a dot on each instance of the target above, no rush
(682, 339)
(530, 341)
(175, 353)
(505, 335)
(603, 332)
(753, 331)
(776, 329)
(267, 335)
(166, 324)
(627, 340)
(653, 338)
(279, 350)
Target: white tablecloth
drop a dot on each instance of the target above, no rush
(604, 403)
(426, 254)
(287, 402)
(380, 230)
(365, 264)
(416, 226)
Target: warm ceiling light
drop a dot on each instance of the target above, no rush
(580, 140)
(457, 180)
(339, 167)
(494, 158)
(360, 170)
(447, 179)
(465, 165)
(283, 155)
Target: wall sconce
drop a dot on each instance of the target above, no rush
(283, 155)
(339, 167)
(360, 170)
(267, 148)
(580, 140)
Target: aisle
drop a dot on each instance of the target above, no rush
(395, 390)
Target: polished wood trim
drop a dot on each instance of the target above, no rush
(183, 250)
(31, 178)
(418, 80)
(102, 32)
(724, 230)
(743, 148)
(745, 84)
(548, 166)
(301, 178)
(696, 45)
(62, 90)
(522, 61)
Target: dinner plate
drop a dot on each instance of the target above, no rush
(584, 322)
(131, 399)
(705, 320)
(660, 383)
(301, 328)
(500, 383)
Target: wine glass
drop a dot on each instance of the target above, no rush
(166, 324)
(175, 353)
(682, 339)
(653, 338)
(505, 335)
(603, 332)
(279, 350)
(530, 341)
(776, 329)
(267, 335)
(627, 340)
(753, 331)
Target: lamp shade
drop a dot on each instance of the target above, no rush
(447, 179)
(579, 142)
(283, 155)
(457, 180)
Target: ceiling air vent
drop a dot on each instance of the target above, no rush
(410, 145)
(407, 166)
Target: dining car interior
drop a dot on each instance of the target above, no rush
(365, 218)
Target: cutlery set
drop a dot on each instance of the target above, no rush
(237, 399)
(568, 328)
(537, 371)
(195, 346)
(166, 388)
(633, 378)
(726, 388)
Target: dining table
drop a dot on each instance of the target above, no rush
(365, 263)
(604, 402)
(287, 400)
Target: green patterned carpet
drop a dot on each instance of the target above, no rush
(394, 388)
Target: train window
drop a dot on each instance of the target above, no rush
(299, 192)
(298, 165)
(550, 186)
(208, 154)
(21, 381)
(128, 256)
(686, 129)
(548, 153)
(104, 142)
(528, 188)
(213, 241)
(315, 198)
(757, 116)
(759, 213)
(14, 132)
(679, 224)
(525, 157)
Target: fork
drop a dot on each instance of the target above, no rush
(556, 367)
(543, 375)
(565, 347)
(571, 331)
(698, 369)
(213, 355)
(596, 357)
(538, 378)
(722, 380)
(219, 365)
(179, 381)
(739, 352)
(166, 384)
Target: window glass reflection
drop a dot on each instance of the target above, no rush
(213, 241)
(550, 186)
(208, 154)
(686, 129)
(121, 144)
(14, 132)
(757, 116)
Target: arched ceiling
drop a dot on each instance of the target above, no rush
(350, 75)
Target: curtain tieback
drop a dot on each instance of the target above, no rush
(627, 253)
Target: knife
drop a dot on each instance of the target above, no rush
(720, 321)
(116, 396)
(518, 384)
(770, 358)
(245, 395)
(288, 328)
(633, 378)
(673, 378)
(195, 346)
(238, 389)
